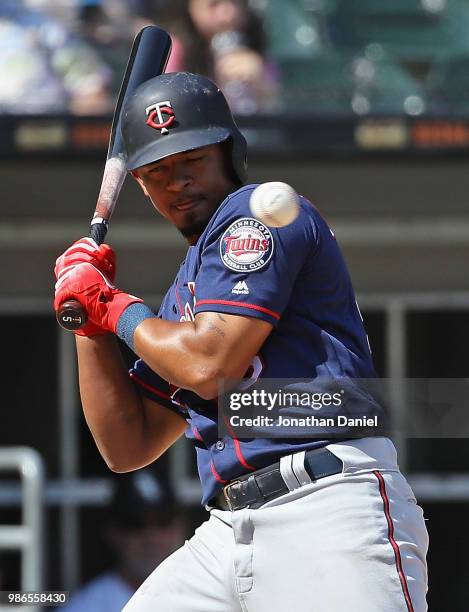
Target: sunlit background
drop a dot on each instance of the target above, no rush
(361, 105)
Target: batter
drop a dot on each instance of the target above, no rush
(325, 523)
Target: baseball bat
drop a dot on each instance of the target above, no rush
(148, 58)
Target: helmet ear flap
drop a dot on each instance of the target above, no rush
(227, 149)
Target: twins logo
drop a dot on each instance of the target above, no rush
(246, 246)
(155, 117)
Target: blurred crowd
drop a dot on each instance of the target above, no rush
(268, 56)
(143, 525)
(68, 56)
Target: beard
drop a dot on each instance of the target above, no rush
(195, 223)
(194, 229)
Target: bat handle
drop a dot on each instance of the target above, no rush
(71, 315)
(98, 230)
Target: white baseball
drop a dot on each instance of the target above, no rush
(275, 204)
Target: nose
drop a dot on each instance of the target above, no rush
(180, 178)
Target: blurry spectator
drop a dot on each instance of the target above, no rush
(143, 528)
(46, 69)
(108, 34)
(222, 39)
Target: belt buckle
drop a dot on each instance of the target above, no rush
(225, 493)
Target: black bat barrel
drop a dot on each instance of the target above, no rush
(148, 58)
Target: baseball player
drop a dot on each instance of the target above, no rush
(325, 523)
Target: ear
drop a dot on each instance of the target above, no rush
(139, 180)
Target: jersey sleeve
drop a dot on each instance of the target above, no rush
(248, 268)
(156, 388)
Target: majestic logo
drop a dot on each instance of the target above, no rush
(240, 288)
(246, 246)
(160, 116)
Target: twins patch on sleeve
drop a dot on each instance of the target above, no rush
(246, 246)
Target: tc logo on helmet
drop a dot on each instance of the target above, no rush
(155, 118)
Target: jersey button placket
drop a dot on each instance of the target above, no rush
(220, 445)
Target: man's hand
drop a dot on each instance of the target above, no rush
(102, 257)
(86, 250)
(103, 302)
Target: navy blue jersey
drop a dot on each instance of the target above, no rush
(293, 277)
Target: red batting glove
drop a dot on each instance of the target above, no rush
(86, 250)
(103, 302)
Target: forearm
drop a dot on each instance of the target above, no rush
(112, 407)
(177, 352)
(196, 354)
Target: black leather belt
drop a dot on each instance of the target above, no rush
(255, 489)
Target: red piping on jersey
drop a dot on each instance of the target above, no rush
(216, 475)
(154, 390)
(397, 552)
(243, 304)
(196, 433)
(237, 445)
(239, 454)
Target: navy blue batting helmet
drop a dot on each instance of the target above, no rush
(177, 112)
